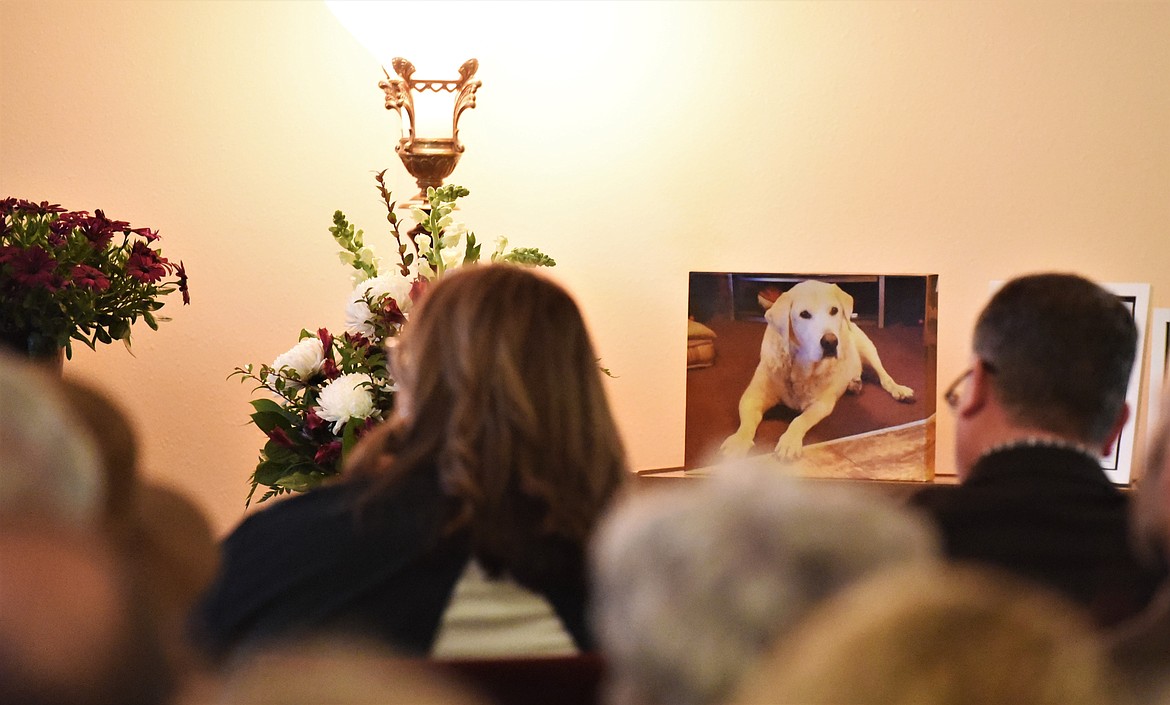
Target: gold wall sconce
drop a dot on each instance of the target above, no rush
(430, 158)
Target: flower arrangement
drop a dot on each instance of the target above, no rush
(68, 275)
(328, 390)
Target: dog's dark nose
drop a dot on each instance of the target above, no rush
(829, 345)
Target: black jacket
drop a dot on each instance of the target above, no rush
(1049, 514)
(312, 563)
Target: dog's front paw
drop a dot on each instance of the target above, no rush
(901, 392)
(789, 447)
(736, 446)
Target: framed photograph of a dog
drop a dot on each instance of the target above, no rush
(823, 375)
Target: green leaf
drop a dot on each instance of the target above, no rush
(348, 437)
(301, 477)
(267, 421)
(270, 407)
(269, 472)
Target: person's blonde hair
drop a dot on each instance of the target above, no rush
(503, 399)
(942, 635)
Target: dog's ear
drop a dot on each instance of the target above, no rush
(845, 301)
(779, 314)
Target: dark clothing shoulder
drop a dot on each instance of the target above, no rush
(314, 562)
(1049, 514)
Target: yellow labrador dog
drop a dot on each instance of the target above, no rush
(811, 355)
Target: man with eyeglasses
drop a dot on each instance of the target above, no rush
(1042, 401)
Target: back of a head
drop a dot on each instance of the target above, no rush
(72, 629)
(48, 463)
(935, 635)
(115, 439)
(501, 391)
(691, 584)
(336, 671)
(1061, 349)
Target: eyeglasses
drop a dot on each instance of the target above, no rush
(951, 396)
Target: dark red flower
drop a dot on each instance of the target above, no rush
(145, 265)
(327, 453)
(357, 340)
(150, 235)
(34, 268)
(391, 313)
(181, 271)
(367, 425)
(7, 205)
(42, 208)
(90, 277)
(96, 230)
(418, 289)
(113, 224)
(326, 339)
(330, 369)
(7, 252)
(313, 421)
(279, 436)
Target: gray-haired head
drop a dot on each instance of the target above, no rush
(692, 584)
(48, 463)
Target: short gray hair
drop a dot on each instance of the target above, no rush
(692, 584)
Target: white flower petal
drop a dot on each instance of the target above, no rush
(347, 397)
(305, 358)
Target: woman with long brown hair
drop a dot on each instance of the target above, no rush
(461, 525)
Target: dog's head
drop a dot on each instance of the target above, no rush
(812, 317)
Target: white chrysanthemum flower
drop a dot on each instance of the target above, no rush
(347, 397)
(305, 358)
(357, 312)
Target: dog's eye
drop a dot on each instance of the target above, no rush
(805, 314)
(833, 311)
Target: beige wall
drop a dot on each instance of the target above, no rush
(634, 142)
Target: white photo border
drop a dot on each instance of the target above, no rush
(1159, 356)
(1118, 466)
